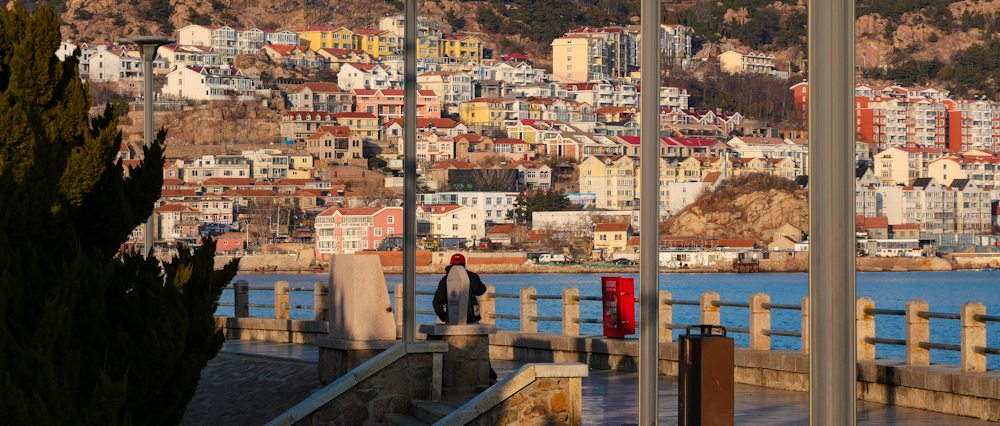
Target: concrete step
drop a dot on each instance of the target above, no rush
(406, 421)
(431, 411)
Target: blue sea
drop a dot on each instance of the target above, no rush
(944, 291)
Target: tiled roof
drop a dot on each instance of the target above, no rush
(611, 227)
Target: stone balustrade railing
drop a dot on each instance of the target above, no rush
(973, 318)
(281, 289)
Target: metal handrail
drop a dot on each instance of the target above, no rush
(587, 321)
(872, 311)
(986, 350)
(730, 304)
(942, 346)
(678, 326)
(682, 302)
(552, 319)
(985, 318)
(884, 341)
(503, 296)
(545, 296)
(737, 330)
(260, 305)
(939, 315)
(594, 298)
(500, 316)
(426, 313)
(781, 333)
(780, 306)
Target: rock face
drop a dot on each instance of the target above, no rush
(754, 214)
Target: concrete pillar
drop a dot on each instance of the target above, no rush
(865, 326)
(973, 336)
(710, 313)
(666, 317)
(570, 312)
(242, 291)
(917, 330)
(529, 308)
(488, 305)
(760, 320)
(805, 325)
(397, 312)
(321, 294)
(281, 300)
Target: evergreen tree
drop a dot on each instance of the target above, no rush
(86, 336)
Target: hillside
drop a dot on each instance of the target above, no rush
(749, 206)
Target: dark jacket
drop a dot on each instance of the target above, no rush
(476, 288)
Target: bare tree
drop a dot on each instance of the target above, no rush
(494, 179)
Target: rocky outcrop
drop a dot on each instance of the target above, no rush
(754, 214)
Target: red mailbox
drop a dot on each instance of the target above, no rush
(619, 306)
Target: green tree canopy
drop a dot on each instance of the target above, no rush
(87, 336)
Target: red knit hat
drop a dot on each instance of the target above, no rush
(458, 259)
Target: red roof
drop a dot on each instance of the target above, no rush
(177, 193)
(229, 182)
(503, 228)
(902, 227)
(363, 211)
(458, 164)
(444, 123)
(440, 208)
(336, 131)
(611, 227)
(249, 192)
(316, 87)
(354, 115)
(175, 208)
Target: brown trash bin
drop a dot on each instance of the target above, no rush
(705, 371)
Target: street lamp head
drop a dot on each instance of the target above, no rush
(147, 45)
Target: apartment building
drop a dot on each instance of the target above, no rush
(429, 38)
(320, 97)
(973, 125)
(335, 143)
(978, 170)
(735, 62)
(899, 122)
(532, 176)
(453, 221)
(209, 84)
(446, 126)
(378, 43)
(900, 166)
(496, 206)
(612, 179)
(269, 164)
(174, 222)
(109, 65)
(207, 167)
(580, 58)
(229, 41)
(462, 47)
(190, 56)
(320, 36)
(298, 125)
(453, 87)
(369, 77)
(349, 230)
(388, 104)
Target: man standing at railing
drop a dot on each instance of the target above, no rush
(442, 302)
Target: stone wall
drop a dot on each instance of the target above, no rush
(385, 385)
(555, 401)
(271, 329)
(389, 391)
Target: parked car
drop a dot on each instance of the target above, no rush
(623, 261)
(554, 258)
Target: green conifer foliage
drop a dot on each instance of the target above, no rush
(86, 336)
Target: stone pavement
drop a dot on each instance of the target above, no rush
(250, 383)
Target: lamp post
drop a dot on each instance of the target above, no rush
(147, 51)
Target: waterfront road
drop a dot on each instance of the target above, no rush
(250, 383)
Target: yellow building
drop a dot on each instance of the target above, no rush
(579, 59)
(364, 124)
(300, 166)
(483, 112)
(611, 179)
(462, 47)
(378, 42)
(333, 37)
(613, 237)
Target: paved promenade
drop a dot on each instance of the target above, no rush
(250, 383)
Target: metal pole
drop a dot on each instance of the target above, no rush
(410, 171)
(832, 357)
(649, 267)
(147, 51)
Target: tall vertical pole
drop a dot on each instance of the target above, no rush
(410, 171)
(832, 357)
(147, 52)
(649, 267)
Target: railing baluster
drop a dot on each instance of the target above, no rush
(281, 300)
(242, 299)
(529, 308)
(805, 325)
(488, 305)
(570, 310)
(865, 328)
(760, 320)
(321, 294)
(710, 314)
(973, 336)
(917, 330)
(666, 317)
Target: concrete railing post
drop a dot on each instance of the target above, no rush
(397, 312)
(570, 312)
(865, 326)
(488, 305)
(242, 300)
(760, 320)
(281, 300)
(805, 325)
(710, 313)
(917, 330)
(666, 317)
(321, 292)
(973, 336)
(529, 308)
